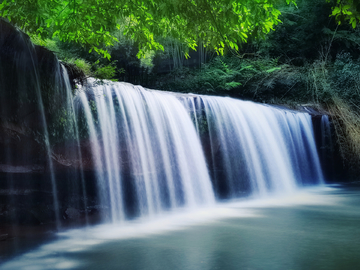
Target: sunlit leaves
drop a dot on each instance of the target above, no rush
(218, 24)
(347, 10)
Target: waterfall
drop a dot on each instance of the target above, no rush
(123, 151)
(255, 149)
(146, 151)
(156, 151)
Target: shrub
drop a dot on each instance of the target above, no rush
(81, 64)
(105, 72)
(347, 127)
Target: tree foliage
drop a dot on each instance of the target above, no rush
(219, 24)
(347, 10)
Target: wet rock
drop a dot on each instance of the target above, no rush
(72, 213)
(42, 214)
(4, 237)
(21, 169)
(22, 216)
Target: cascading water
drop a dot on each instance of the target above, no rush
(147, 154)
(254, 149)
(76, 149)
(150, 157)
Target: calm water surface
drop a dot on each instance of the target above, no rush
(311, 229)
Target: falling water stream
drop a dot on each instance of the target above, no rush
(155, 151)
(144, 142)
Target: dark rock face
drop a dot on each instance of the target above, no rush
(32, 92)
(18, 79)
(329, 153)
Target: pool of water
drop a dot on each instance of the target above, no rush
(317, 228)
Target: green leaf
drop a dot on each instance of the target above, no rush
(96, 23)
(273, 69)
(336, 11)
